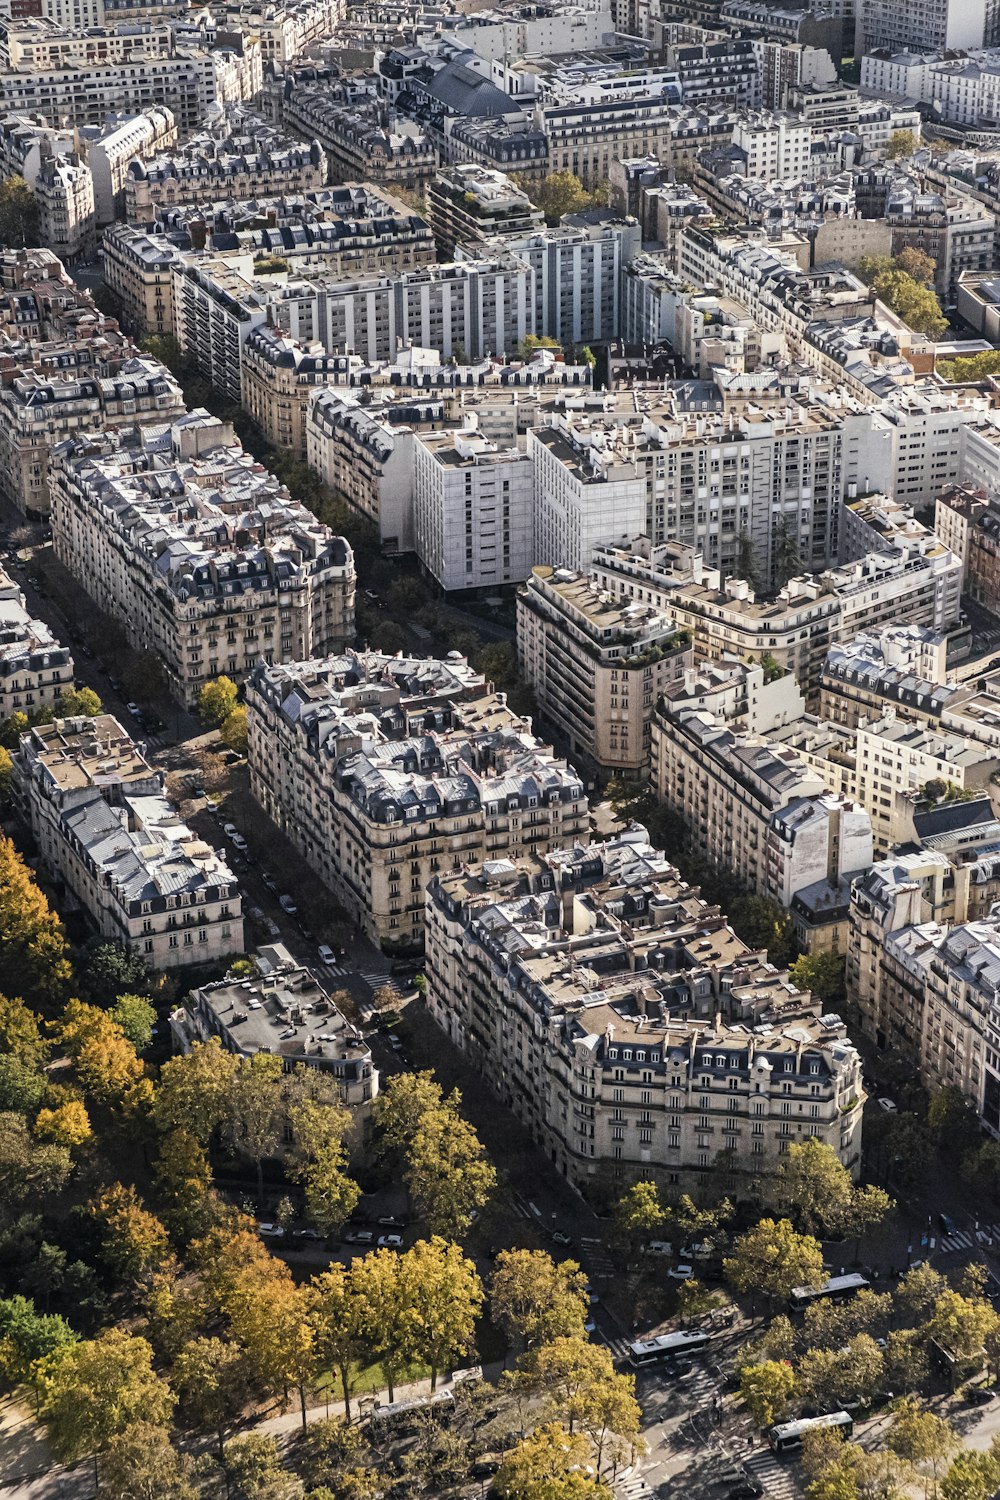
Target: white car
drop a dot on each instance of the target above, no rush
(390, 1242)
(238, 842)
(889, 1105)
(230, 830)
(326, 955)
(681, 1273)
(271, 1231)
(134, 710)
(288, 905)
(659, 1247)
(359, 1237)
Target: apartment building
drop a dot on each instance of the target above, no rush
(971, 518)
(187, 81)
(215, 310)
(198, 551)
(957, 232)
(469, 204)
(280, 378)
(597, 667)
(754, 807)
(286, 29)
(936, 26)
(776, 147)
(902, 665)
(625, 1025)
(475, 307)
(921, 972)
(385, 770)
(241, 157)
(111, 149)
(35, 668)
(39, 410)
(760, 485)
(473, 509)
(364, 140)
(284, 1011)
(915, 581)
(108, 835)
(138, 271)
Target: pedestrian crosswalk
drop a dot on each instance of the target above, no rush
(777, 1478)
(595, 1256)
(969, 1239)
(378, 981)
(633, 1487)
(619, 1347)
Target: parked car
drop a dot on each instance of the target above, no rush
(134, 710)
(271, 1231)
(681, 1273)
(307, 1234)
(560, 1237)
(326, 955)
(394, 1042)
(659, 1247)
(889, 1105)
(390, 1242)
(239, 842)
(230, 829)
(360, 1237)
(287, 905)
(390, 1221)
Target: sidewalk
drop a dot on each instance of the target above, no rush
(290, 1422)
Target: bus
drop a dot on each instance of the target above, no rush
(651, 1351)
(399, 1416)
(787, 1437)
(837, 1289)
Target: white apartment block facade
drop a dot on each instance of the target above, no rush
(777, 146)
(473, 504)
(342, 759)
(106, 831)
(625, 1025)
(199, 552)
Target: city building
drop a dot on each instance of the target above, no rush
(198, 551)
(110, 839)
(626, 1026)
(468, 205)
(752, 806)
(597, 666)
(245, 1016)
(473, 509)
(138, 271)
(384, 770)
(240, 157)
(35, 668)
(971, 518)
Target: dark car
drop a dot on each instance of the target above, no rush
(485, 1469)
(979, 1395)
(947, 1224)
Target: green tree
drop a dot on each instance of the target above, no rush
(923, 1439)
(34, 958)
(94, 1390)
(815, 1186)
(335, 1462)
(971, 1476)
(442, 1297)
(900, 143)
(772, 1258)
(29, 1171)
(447, 1172)
(638, 1216)
(762, 923)
(534, 1299)
(254, 1471)
(917, 305)
(21, 1034)
(254, 1120)
(338, 1315)
(952, 1119)
(105, 970)
(194, 1090)
(550, 1464)
(375, 1285)
(27, 1336)
(768, 1390)
(18, 214)
(961, 1324)
(6, 779)
(233, 730)
(184, 1184)
(850, 1373)
(918, 1291)
(822, 973)
(319, 1163)
(210, 1377)
(216, 702)
(560, 193)
(21, 1087)
(141, 1463)
(136, 1017)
